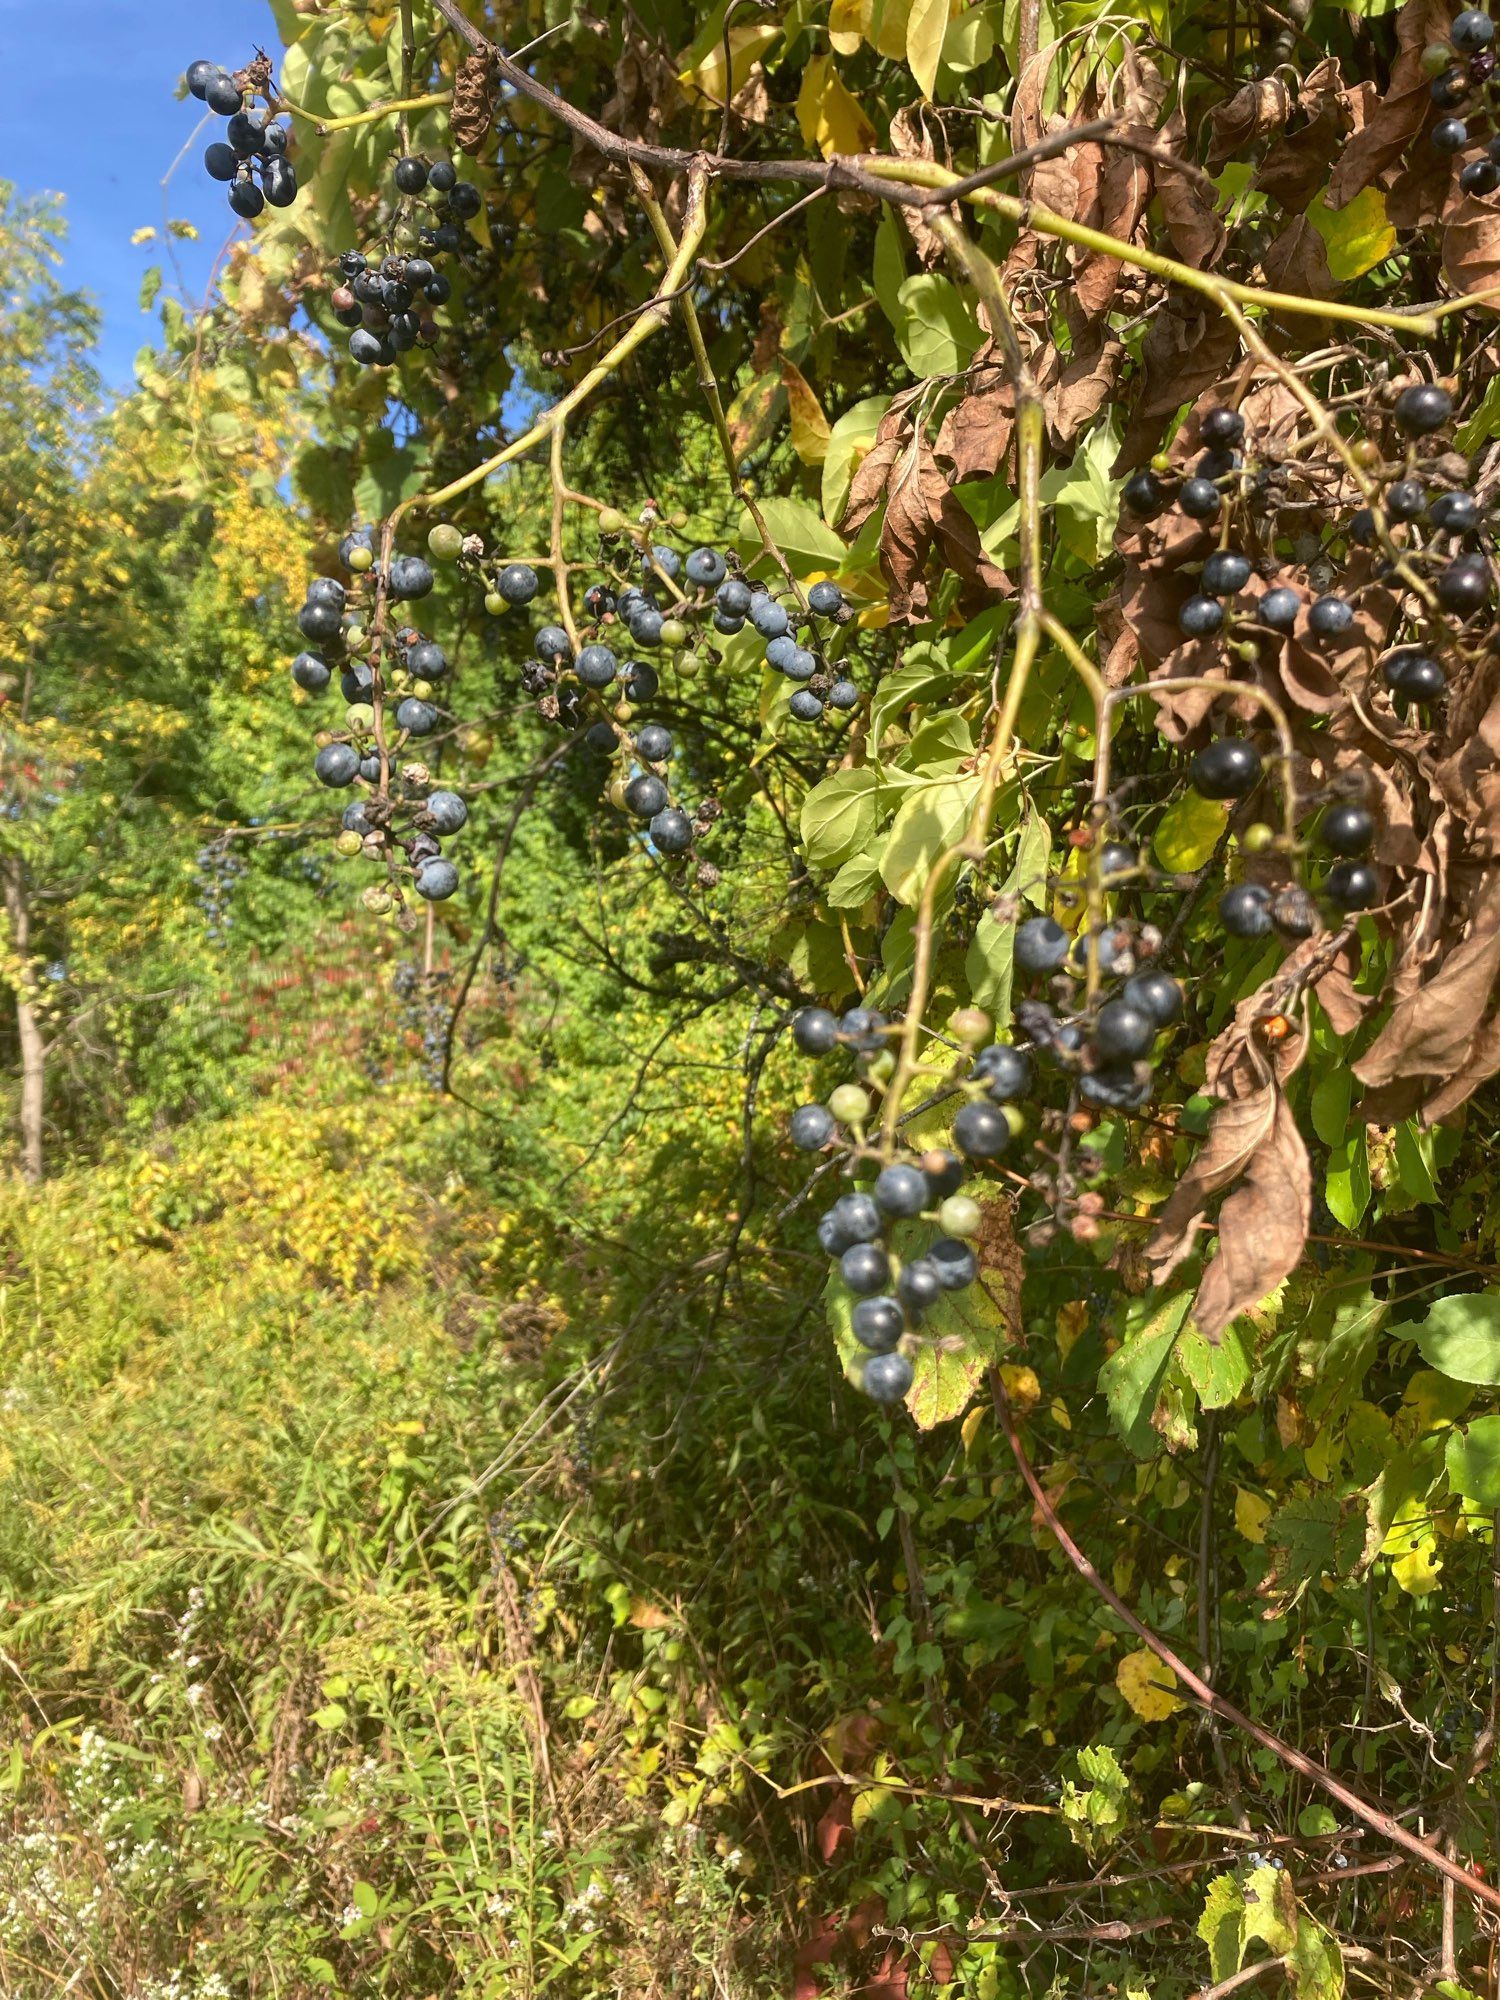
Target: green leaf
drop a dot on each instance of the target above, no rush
(1411, 1163)
(889, 274)
(1135, 1373)
(849, 440)
(332, 1716)
(800, 533)
(838, 817)
(1473, 1461)
(964, 1334)
(930, 820)
(1329, 1108)
(855, 883)
(1188, 832)
(1461, 1337)
(365, 1899)
(1218, 1372)
(990, 962)
(1221, 1926)
(1347, 1187)
(936, 330)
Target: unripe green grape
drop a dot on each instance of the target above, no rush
(622, 711)
(970, 1025)
(616, 794)
(1015, 1118)
(1436, 57)
(445, 541)
(377, 899)
(494, 603)
(850, 1104)
(359, 716)
(361, 559)
(421, 689)
(960, 1215)
(354, 638)
(323, 738)
(679, 520)
(399, 680)
(350, 843)
(689, 666)
(673, 632)
(612, 521)
(1258, 838)
(881, 1068)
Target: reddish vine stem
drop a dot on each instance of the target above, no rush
(1286, 1753)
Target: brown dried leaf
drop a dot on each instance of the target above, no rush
(473, 108)
(1255, 109)
(1186, 349)
(1253, 1139)
(1188, 198)
(1433, 1030)
(1297, 261)
(1471, 248)
(976, 433)
(923, 517)
(1403, 111)
(867, 488)
(911, 140)
(1262, 1228)
(1089, 381)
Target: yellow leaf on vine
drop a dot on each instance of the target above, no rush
(810, 427)
(1147, 1684)
(1251, 1514)
(830, 118)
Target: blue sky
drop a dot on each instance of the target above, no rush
(91, 113)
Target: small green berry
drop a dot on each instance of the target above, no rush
(850, 1104)
(361, 559)
(612, 522)
(445, 541)
(494, 603)
(349, 843)
(673, 632)
(960, 1215)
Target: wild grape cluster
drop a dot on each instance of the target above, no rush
(252, 155)
(899, 1245)
(400, 811)
(1463, 68)
(426, 1011)
(217, 868)
(386, 299)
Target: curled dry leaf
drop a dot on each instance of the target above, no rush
(473, 108)
(911, 139)
(1297, 261)
(1188, 198)
(1187, 348)
(1402, 112)
(1471, 248)
(1256, 110)
(1439, 1030)
(1296, 165)
(975, 435)
(1253, 1145)
(923, 517)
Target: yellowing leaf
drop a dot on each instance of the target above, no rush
(1358, 236)
(746, 46)
(146, 235)
(968, 1430)
(810, 428)
(1189, 832)
(887, 29)
(1251, 1514)
(848, 24)
(1022, 1386)
(830, 118)
(925, 28)
(648, 1617)
(1147, 1684)
(1419, 1572)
